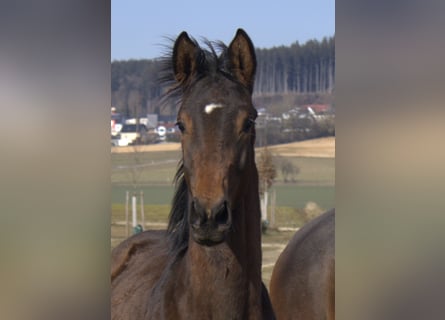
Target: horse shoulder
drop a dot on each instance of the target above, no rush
(137, 264)
(304, 273)
(121, 255)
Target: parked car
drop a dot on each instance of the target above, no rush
(132, 134)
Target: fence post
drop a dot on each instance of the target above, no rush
(134, 210)
(266, 204)
(126, 214)
(142, 210)
(273, 201)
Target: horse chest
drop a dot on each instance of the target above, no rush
(208, 288)
(209, 304)
(217, 286)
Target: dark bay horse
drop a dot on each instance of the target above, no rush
(207, 264)
(302, 286)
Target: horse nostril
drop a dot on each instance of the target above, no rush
(198, 215)
(218, 217)
(221, 214)
(196, 205)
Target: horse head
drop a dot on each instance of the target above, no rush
(216, 119)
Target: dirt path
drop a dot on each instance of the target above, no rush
(319, 148)
(322, 148)
(168, 146)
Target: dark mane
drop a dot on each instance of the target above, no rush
(178, 227)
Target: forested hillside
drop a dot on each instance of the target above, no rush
(297, 69)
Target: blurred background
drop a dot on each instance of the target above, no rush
(55, 162)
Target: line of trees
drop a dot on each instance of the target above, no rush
(306, 68)
(298, 68)
(135, 86)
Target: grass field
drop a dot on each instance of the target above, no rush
(152, 173)
(273, 241)
(292, 195)
(154, 168)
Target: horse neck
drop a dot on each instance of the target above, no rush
(233, 268)
(246, 238)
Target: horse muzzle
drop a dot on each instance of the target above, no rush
(210, 226)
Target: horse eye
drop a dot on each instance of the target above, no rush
(180, 126)
(248, 125)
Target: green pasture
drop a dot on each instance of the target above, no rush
(284, 216)
(287, 195)
(155, 168)
(154, 195)
(144, 168)
(296, 196)
(153, 173)
(152, 212)
(313, 171)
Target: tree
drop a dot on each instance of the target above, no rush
(299, 68)
(266, 170)
(267, 174)
(288, 170)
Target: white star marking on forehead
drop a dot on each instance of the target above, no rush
(212, 106)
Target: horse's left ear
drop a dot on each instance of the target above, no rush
(241, 53)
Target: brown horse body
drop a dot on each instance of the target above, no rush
(302, 285)
(207, 265)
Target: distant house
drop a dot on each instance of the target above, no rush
(317, 109)
(151, 122)
(117, 121)
(261, 111)
(164, 119)
(314, 111)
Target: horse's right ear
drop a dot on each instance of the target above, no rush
(184, 57)
(242, 59)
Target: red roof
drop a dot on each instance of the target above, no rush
(318, 108)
